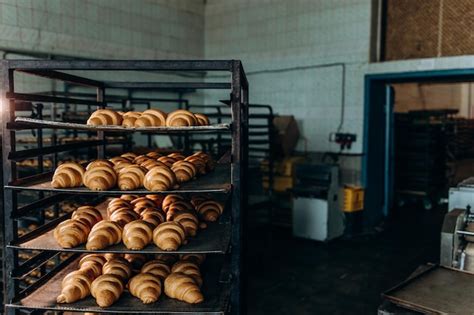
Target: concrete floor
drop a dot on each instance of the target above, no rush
(293, 276)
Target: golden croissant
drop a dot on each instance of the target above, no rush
(112, 256)
(141, 203)
(92, 264)
(197, 199)
(149, 164)
(104, 234)
(188, 220)
(75, 286)
(151, 118)
(160, 178)
(129, 118)
(119, 267)
(104, 117)
(210, 164)
(184, 170)
(202, 120)
(158, 268)
(107, 289)
(157, 199)
(68, 175)
(176, 156)
(169, 199)
(129, 155)
(188, 268)
(100, 162)
(88, 215)
(137, 234)
(198, 162)
(146, 287)
(181, 117)
(177, 206)
(116, 204)
(195, 258)
(169, 235)
(131, 177)
(71, 233)
(168, 161)
(139, 159)
(154, 216)
(153, 155)
(124, 216)
(183, 287)
(128, 198)
(210, 210)
(100, 178)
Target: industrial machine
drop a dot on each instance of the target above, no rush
(316, 211)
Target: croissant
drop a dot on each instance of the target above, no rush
(88, 215)
(117, 204)
(112, 256)
(119, 267)
(198, 162)
(75, 286)
(181, 117)
(128, 198)
(183, 287)
(107, 289)
(131, 177)
(168, 161)
(100, 178)
(92, 264)
(176, 156)
(129, 119)
(177, 206)
(153, 216)
(151, 118)
(141, 203)
(169, 235)
(202, 120)
(198, 259)
(118, 160)
(185, 171)
(124, 216)
(197, 199)
(104, 117)
(153, 154)
(146, 287)
(188, 268)
(68, 175)
(139, 159)
(129, 156)
(137, 234)
(136, 261)
(71, 233)
(149, 164)
(169, 199)
(159, 178)
(158, 268)
(100, 162)
(104, 234)
(210, 210)
(210, 164)
(157, 199)
(188, 220)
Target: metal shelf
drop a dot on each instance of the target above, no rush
(217, 181)
(215, 289)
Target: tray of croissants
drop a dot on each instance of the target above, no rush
(150, 120)
(126, 282)
(146, 224)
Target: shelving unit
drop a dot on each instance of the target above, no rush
(222, 241)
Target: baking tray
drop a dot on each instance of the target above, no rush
(217, 181)
(31, 123)
(214, 239)
(436, 290)
(216, 296)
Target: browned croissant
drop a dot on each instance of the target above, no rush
(75, 286)
(183, 287)
(197, 199)
(176, 156)
(107, 289)
(210, 164)
(146, 287)
(169, 199)
(129, 198)
(154, 216)
(185, 171)
(168, 161)
(118, 204)
(129, 155)
(71, 233)
(198, 162)
(149, 164)
(104, 234)
(100, 162)
(153, 154)
(158, 268)
(112, 256)
(104, 117)
(129, 118)
(119, 160)
(202, 120)
(188, 268)
(151, 118)
(119, 267)
(210, 210)
(188, 220)
(160, 178)
(124, 216)
(137, 234)
(131, 177)
(100, 178)
(158, 199)
(92, 264)
(198, 259)
(139, 159)
(68, 175)
(181, 117)
(169, 235)
(142, 203)
(177, 206)
(88, 215)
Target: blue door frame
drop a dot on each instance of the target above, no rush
(377, 114)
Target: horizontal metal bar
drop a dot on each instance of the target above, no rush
(66, 77)
(31, 264)
(168, 85)
(23, 154)
(50, 99)
(151, 65)
(41, 229)
(44, 202)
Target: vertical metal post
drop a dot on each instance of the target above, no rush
(100, 134)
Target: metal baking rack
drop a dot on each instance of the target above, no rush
(222, 241)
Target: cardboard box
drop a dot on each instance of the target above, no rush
(288, 134)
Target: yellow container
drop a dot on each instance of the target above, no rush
(280, 183)
(284, 167)
(353, 198)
